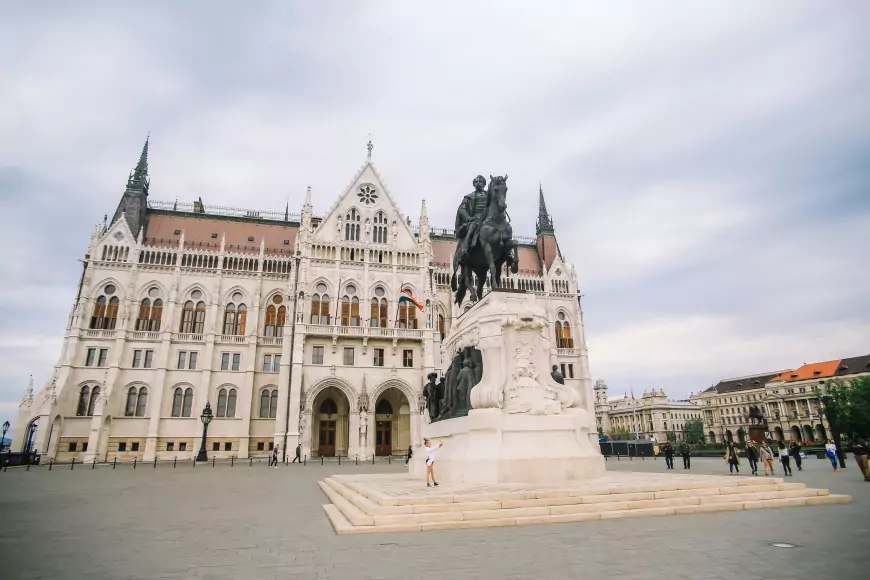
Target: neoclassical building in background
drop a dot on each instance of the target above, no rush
(288, 325)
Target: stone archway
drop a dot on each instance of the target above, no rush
(777, 434)
(808, 433)
(821, 433)
(30, 435)
(330, 424)
(795, 433)
(712, 436)
(392, 422)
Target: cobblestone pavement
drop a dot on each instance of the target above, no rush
(254, 522)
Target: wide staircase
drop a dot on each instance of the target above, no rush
(364, 504)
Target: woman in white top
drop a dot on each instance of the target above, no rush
(831, 452)
(430, 461)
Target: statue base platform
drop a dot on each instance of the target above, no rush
(522, 426)
(490, 447)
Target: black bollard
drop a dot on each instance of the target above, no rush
(250, 462)
(114, 461)
(72, 463)
(213, 459)
(28, 466)
(390, 458)
(50, 463)
(135, 459)
(155, 462)
(94, 464)
(356, 461)
(232, 461)
(194, 462)
(321, 460)
(174, 459)
(339, 458)
(373, 459)
(305, 460)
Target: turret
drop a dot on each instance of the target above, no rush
(548, 248)
(134, 201)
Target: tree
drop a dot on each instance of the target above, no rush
(620, 435)
(848, 403)
(693, 431)
(670, 436)
(600, 432)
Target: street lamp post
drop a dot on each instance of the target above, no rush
(831, 414)
(206, 418)
(3, 439)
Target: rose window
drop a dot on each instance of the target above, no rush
(367, 194)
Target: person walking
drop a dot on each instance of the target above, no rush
(860, 451)
(732, 457)
(686, 452)
(410, 454)
(794, 449)
(273, 461)
(831, 452)
(669, 455)
(766, 454)
(752, 456)
(298, 454)
(430, 461)
(783, 458)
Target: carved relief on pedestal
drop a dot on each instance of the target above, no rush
(525, 393)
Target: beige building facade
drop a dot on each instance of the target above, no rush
(652, 416)
(287, 325)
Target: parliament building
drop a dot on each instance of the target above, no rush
(288, 325)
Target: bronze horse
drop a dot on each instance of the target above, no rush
(494, 248)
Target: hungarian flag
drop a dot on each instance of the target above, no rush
(405, 296)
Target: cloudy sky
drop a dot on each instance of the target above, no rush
(707, 165)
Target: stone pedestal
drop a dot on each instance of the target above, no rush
(758, 433)
(523, 427)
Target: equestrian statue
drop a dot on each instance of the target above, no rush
(486, 241)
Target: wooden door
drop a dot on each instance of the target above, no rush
(384, 440)
(326, 445)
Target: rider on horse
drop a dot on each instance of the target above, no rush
(469, 217)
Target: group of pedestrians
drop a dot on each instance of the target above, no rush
(763, 452)
(273, 460)
(685, 452)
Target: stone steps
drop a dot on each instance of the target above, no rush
(357, 508)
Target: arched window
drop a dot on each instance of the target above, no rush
(95, 394)
(276, 316)
(441, 326)
(84, 397)
(226, 406)
(192, 318)
(320, 306)
(351, 226)
(142, 402)
(378, 313)
(149, 315)
(407, 315)
(99, 314)
(563, 332)
(328, 407)
(383, 408)
(130, 407)
(177, 396)
(112, 313)
(379, 231)
(268, 403)
(234, 319)
(350, 311)
(187, 403)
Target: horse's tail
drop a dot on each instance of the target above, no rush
(453, 284)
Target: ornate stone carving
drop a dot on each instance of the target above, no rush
(524, 393)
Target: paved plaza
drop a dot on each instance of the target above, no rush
(255, 522)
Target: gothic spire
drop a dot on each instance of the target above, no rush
(545, 222)
(139, 177)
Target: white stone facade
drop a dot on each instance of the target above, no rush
(652, 416)
(150, 395)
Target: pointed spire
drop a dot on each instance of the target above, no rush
(308, 195)
(545, 222)
(287, 211)
(139, 177)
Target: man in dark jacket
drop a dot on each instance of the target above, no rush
(669, 455)
(686, 452)
(752, 456)
(794, 449)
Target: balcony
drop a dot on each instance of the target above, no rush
(231, 339)
(187, 337)
(143, 336)
(361, 331)
(270, 340)
(568, 351)
(104, 334)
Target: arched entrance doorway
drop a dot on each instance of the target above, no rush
(712, 437)
(808, 433)
(821, 434)
(392, 423)
(796, 433)
(777, 434)
(729, 436)
(329, 429)
(741, 436)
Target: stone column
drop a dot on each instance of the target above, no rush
(353, 435)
